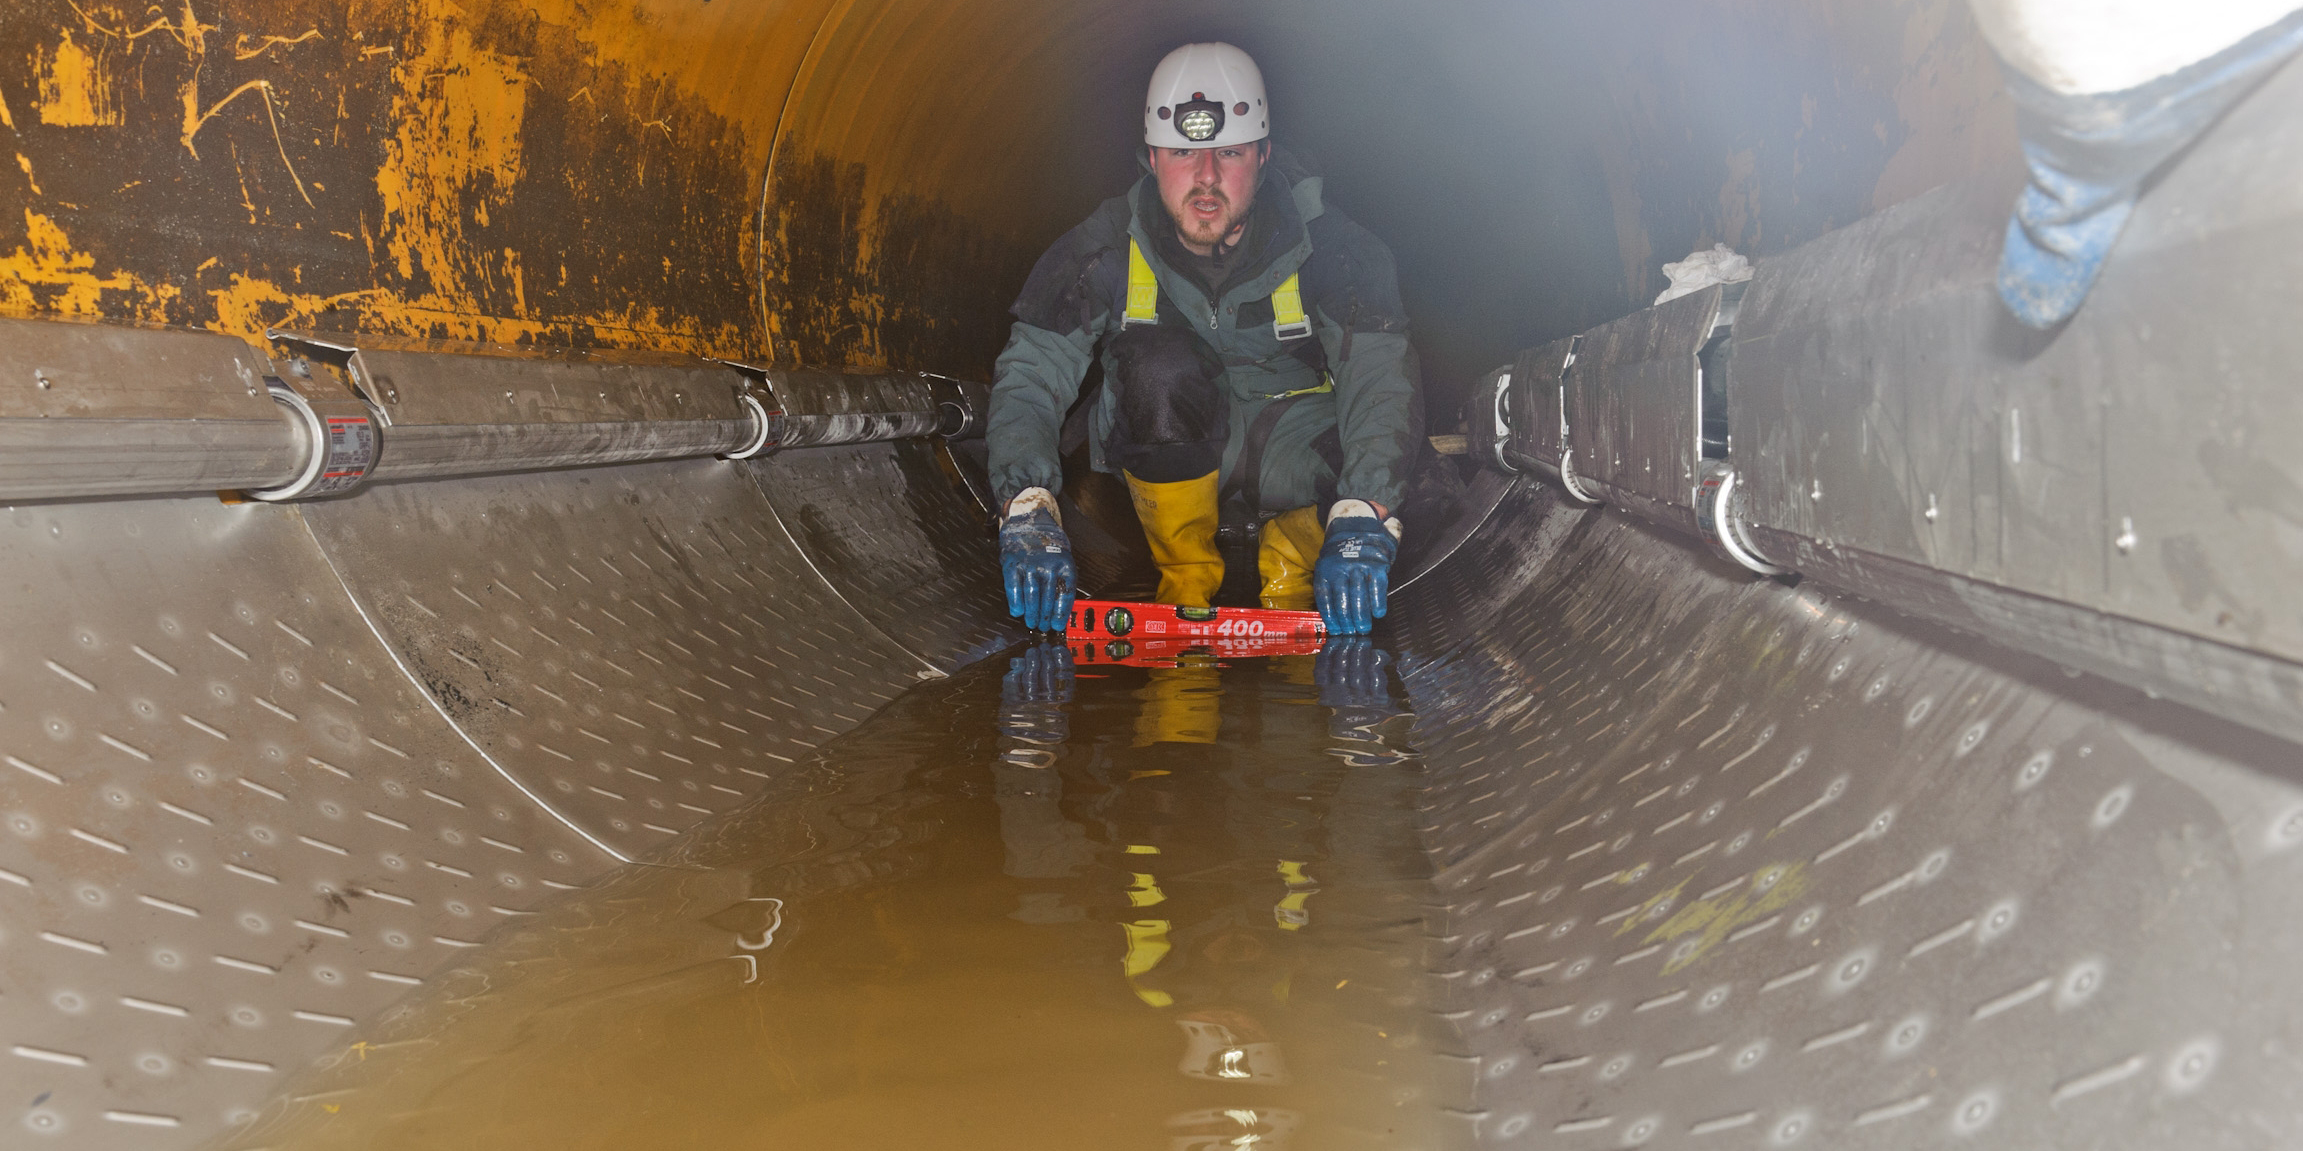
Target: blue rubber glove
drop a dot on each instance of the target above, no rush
(1036, 562)
(1352, 579)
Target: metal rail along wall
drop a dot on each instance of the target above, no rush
(1985, 826)
(272, 764)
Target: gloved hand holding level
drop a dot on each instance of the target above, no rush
(1352, 580)
(1036, 561)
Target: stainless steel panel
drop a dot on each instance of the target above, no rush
(641, 647)
(2134, 461)
(62, 370)
(1904, 424)
(455, 382)
(2202, 525)
(104, 409)
(432, 451)
(1873, 394)
(44, 459)
(2246, 686)
(1537, 403)
(233, 831)
(901, 544)
(1728, 863)
(826, 407)
(1633, 402)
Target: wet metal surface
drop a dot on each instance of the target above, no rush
(1729, 863)
(638, 647)
(1168, 908)
(229, 827)
(899, 542)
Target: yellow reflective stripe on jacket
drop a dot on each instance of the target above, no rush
(1143, 288)
(1288, 321)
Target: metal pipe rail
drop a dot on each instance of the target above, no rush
(2113, 495)
(111, 410)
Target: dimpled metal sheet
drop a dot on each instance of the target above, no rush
(1730, 864)
(903, 545)
(640, 647)
(230, 829)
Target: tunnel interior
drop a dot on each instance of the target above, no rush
(860, 184)
(1961, 822)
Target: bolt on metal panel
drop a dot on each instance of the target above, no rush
(230, 830)
(1724, 859)
(926, 576)
(641, 648)
(1634, 406)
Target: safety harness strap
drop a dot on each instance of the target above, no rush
(1288, 320)
(1143, 288)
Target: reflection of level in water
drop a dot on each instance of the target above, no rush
(1171, 651)
(1159, 635)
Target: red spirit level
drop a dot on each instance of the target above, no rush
(1163, 635)
(1159, 622)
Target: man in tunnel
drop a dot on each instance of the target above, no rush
(1255, 362)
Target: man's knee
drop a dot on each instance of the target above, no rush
(1172, 414)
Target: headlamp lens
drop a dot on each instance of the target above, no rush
(1198, 124)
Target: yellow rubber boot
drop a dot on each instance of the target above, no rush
(1291, 543)
(1179, 522)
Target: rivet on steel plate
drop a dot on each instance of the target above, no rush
(2125, 540)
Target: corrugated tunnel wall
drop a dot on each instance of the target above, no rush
(1982, 828)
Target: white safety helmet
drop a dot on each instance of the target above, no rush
(1205, 96)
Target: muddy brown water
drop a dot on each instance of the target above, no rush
(1172, 908)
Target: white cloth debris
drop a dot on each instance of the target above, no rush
(1701, 269)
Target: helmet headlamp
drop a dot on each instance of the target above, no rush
(1199, 120)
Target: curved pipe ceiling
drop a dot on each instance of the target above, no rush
(868, 181)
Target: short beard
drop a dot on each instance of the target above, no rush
(1223, 227)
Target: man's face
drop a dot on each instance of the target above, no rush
(1208, 191)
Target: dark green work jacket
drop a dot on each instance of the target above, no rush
(1077, 295)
